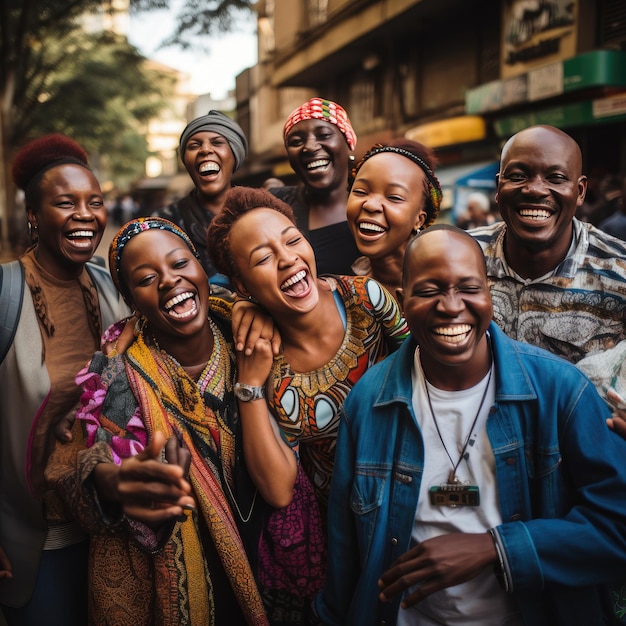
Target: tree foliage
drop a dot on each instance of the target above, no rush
(101, 94)
(199, 17)
(57, 75)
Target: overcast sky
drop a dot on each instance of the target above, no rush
(213, 72)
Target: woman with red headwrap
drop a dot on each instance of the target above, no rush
(319, 138)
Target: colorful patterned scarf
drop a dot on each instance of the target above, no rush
(170, 398)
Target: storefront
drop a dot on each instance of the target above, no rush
(584, 95)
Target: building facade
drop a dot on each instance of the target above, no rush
(458, 75)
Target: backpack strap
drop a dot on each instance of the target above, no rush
(11, 296)
(101, 278)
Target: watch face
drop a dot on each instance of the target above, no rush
(245, 394)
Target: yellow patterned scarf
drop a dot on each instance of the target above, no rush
(168, 396)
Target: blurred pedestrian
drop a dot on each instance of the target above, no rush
(615, 223)
(272, 183)
(477, 212)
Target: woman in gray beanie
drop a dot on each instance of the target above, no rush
(212, 147)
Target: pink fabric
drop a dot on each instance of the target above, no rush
(90, 409)
(292, 547)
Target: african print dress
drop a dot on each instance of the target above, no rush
(306, 404)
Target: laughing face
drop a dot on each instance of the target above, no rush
(210, 162)
(385, 204)
(70, 219)
(448, 308)
(539, 188)
(274, 263)
(318, 154)
(167, 285)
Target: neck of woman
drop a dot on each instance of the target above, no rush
(388, 271)
(213, 204)
(327, 208)
(192, 353)
(311, 339)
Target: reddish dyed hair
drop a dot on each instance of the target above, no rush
(38, 156)
(43, 152)
(239, 201)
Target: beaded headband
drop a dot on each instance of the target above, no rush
(132, 229)
(435, 193)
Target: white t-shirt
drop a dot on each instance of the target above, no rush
(480, 601)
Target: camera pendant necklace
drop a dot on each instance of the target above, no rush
(454, 493)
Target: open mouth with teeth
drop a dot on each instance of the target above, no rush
(182, 306)
(369, 229)
(317, 164)
(537, 214)
(81, 238)
(296, 285)
(453, 334)
(209, 167)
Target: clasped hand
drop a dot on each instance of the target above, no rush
(437, 564)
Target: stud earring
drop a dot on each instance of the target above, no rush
(32, 231)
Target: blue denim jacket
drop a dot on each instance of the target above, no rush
(561, 477)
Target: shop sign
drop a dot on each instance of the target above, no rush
(535, 32)
(584, 113)
(450, 131)
(599, 68)
(545, 82)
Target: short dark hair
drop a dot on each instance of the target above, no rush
(239, 201)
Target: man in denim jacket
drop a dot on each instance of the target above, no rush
(475, 480)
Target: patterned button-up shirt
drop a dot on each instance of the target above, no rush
(577, 309)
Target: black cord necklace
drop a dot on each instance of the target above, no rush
(455, 493)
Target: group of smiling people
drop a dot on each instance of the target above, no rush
(213, 446)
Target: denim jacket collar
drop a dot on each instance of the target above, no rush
(512, 382)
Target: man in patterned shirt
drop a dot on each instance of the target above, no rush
(556, 282)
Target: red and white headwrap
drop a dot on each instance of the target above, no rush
(327, 110)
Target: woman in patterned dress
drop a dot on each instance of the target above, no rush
(332, 328)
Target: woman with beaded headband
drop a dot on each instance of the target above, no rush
(161, 486)
(394, 193)
(65, 303)
(319, 138)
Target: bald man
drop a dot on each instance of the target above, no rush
(475, 483)
(556, 282)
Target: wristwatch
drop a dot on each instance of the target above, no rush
(246, 393)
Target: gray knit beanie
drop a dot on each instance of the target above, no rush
(221, 124)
